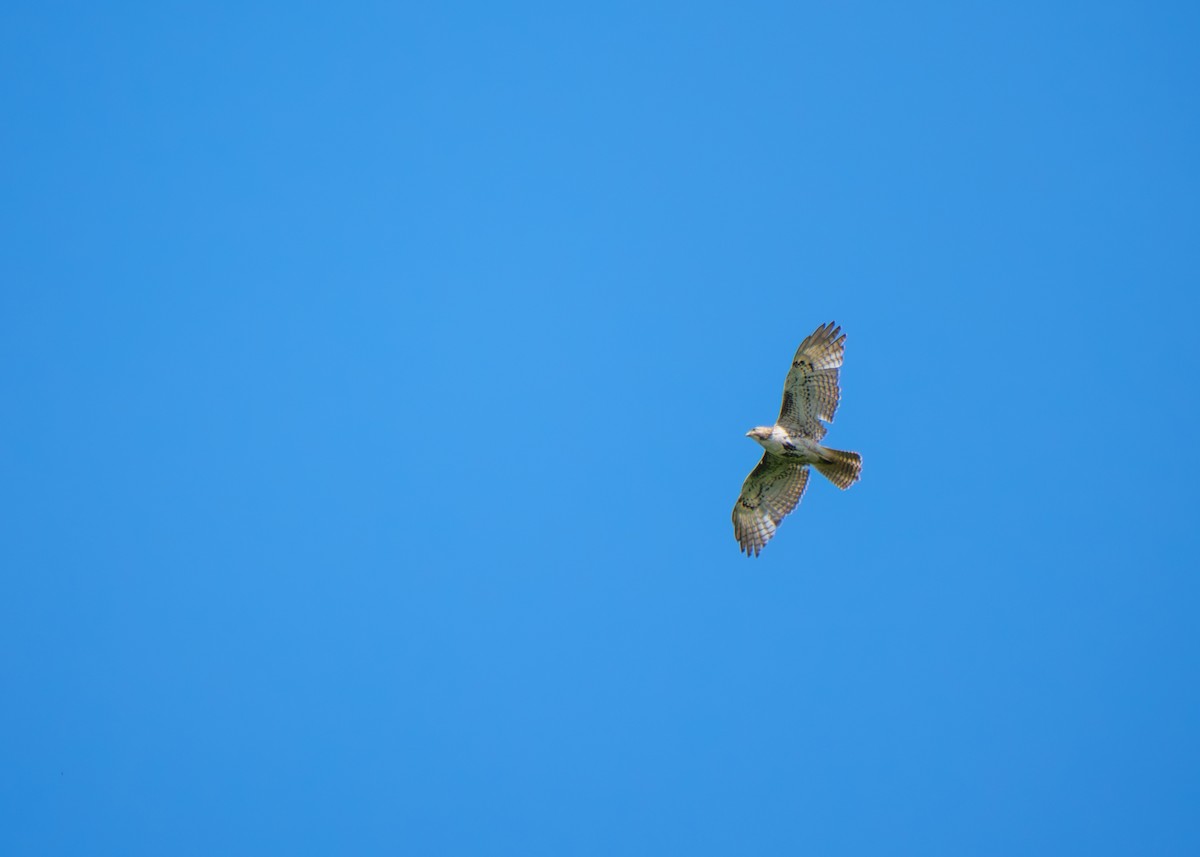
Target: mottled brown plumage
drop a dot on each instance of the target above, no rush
(810, 395)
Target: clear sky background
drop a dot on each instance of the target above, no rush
(375, 379)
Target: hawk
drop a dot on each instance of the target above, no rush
(774, 487)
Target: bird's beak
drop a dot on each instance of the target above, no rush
(750, 433)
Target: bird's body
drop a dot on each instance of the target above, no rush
(810, 395)
(779, 441)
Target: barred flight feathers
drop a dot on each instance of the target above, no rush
(810, 391)
(842, 468)
(772, 489)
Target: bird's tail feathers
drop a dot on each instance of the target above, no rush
(840, 468)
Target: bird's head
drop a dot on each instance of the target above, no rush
(759, 434)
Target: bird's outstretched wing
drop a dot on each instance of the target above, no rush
(810, 392)
(772, 489)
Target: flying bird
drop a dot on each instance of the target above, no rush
(774, 487)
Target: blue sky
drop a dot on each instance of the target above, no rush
(375, 387)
